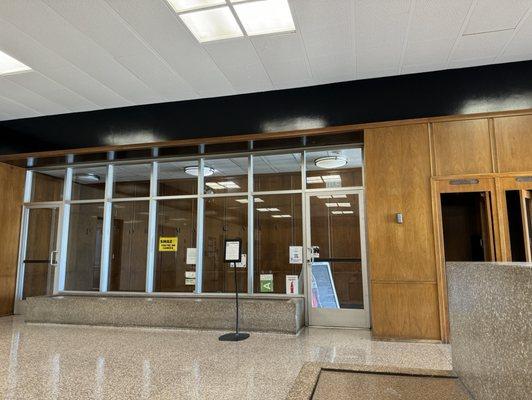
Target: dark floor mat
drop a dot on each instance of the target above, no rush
(340, 385)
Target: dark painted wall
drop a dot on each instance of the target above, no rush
(462, 91)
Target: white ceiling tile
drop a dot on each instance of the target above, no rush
(325, 71)
(164, 32)
(47, 27)
(13, 109)
(381, 24)
(370, 74)
(437, 19)
(24, 48)
(284, 58)
(97, 20)
(427, 52)
(495, 15)
(417, 68)
(239, 62)
(473, 62)
(52, 91)
(378, 59)
(30, 99)
(480, 46)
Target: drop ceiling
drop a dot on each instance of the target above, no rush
(95, 54)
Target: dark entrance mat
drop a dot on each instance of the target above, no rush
(346, 385)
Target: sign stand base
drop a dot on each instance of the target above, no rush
(233, 337)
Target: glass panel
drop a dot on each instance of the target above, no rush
(84, 247)
(337, 266)
(48, 186)
(227, 175)
(129, 240)
(277, 172)
(178, 178)
(41, 242)
(132, 180)
(89, 183)
(277, 228)
(225, 218)
(175, 269)
(334, 168)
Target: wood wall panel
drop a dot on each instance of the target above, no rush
(405, 310)
(398, 181)
(12, 181)
(462, 147)
(513, 139)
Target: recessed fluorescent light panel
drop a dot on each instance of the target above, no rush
(212, 24)
(210, 20)
(187, 5)
(265, 16)
(8, 65)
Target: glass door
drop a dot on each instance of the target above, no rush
(336, 259)
(40, 252)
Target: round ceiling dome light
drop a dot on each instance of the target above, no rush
(194, 170)
(330, 162)
(87, 178)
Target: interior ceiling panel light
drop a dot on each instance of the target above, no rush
(330, 162)
(187, 5)
(212, 24)
(210, 20)
(266, 16)
(194, 170)
(8, 65)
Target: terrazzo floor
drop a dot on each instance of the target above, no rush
(80, 362)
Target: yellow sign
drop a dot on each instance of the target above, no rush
(168, 243)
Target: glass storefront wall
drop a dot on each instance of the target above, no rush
(136, 227)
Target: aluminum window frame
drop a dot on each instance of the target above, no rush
(153, 200)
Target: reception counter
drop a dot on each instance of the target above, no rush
(490, 312)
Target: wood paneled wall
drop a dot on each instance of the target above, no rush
(12, 180)
(406, 264)
(401, 256)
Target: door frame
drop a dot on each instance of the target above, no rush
(19, 288)
(333, 317)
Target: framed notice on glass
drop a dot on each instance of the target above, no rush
(233, 250)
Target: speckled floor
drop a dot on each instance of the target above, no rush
(79, 362)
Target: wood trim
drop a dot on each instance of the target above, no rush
(432, 151)
(264, 135)
(506, 181)
(493, 147)
(440, 263)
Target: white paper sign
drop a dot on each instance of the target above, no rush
(232, 250)
(296, 254)
(243, 263)
(292, 286)
(190, 278)
(191, 256)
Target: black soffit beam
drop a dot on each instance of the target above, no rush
(500, 87)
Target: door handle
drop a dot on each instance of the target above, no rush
(54, 258)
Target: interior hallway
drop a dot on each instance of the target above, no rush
(67, 362)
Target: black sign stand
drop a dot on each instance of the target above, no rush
(234, 336)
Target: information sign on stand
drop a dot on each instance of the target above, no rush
(233, 254)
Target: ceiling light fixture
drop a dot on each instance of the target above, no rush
(210, 20)
(194, 170)
(212, 24)
(188, 5)
(87, 178)
(264, 17)
(9, 65)
(331, 162)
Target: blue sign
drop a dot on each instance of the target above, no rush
(323, 289)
